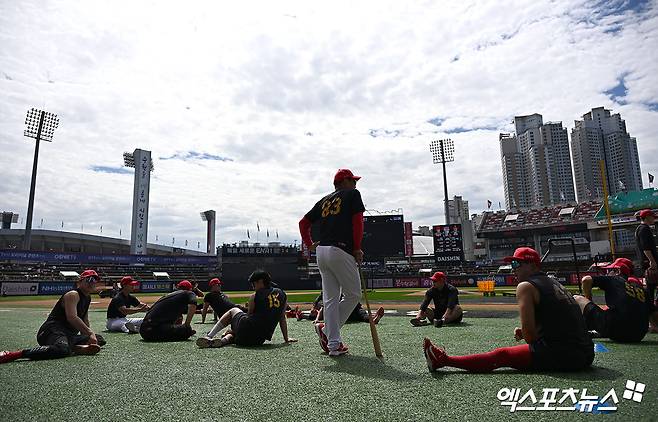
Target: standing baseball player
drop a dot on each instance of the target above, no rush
(647, 256)
(338, 251)
(66, 331)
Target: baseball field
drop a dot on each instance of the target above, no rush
(133, 380)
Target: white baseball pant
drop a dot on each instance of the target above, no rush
(119, 324)
(340, 274)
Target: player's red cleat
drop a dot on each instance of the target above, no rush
(434, 355)
(324, 343)
(341, 350)
(10, 356)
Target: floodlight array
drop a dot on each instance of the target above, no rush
(48, 126)
(129, 160)
(442, 156)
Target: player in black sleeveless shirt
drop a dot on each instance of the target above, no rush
(66, 330)
(266, 310)
(164, 321)
(217, 300)
(627, 316)
(551, 324)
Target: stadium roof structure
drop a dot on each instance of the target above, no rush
(629, 202)
(56, 241)
(553, 218)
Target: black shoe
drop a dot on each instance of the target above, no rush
(438, 323)
(419, 322)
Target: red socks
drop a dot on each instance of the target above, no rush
(517, 357)
(10, 356)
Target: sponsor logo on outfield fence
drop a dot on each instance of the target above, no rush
(570, 399)
(156, 286)
(19, 289)
(54, 288)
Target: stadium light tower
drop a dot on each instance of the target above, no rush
(140, 160)
(210, 216)
(443, 151)
(41, 126)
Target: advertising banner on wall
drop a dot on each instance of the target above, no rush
(156, 286)
(408, 239)
(448, 244)
(24, 256)
(380, 283)
(19, 289)
(54, 288)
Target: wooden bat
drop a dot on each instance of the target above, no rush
(373, 328)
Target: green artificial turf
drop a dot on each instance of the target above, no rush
(134, 380)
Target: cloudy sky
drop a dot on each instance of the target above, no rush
(250, 107)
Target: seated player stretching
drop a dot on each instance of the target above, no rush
(66, 331)
(122, 305)
(551, 324)
(217, 300)
(266, 310)
(164, 321)
(627, 316)
(446, 304)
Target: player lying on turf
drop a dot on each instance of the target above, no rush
(217, 300)
(164, 321)
(122, 305)
(358, 315)
(551, 324)
(313, 312)
(446, 304)
(66, 331)
(627, 316)
(266, 310)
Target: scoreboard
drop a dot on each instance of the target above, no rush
(448, 244)
(383, 236)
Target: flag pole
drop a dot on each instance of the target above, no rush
(607, 208)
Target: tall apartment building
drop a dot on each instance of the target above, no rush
(536, 164)
(458, 210)
(603, 136)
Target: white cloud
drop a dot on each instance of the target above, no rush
(250, 81)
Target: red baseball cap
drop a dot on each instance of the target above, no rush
(128, 281)
(184, 285)
(646, 213)
(343, 174)
(524, 254)
(438, 276)
(624, 265)
(89, 273)
(215, 281)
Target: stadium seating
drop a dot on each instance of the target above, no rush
(538, 217)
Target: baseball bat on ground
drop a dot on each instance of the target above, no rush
(373, 328)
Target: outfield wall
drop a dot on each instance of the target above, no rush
(239, 284)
